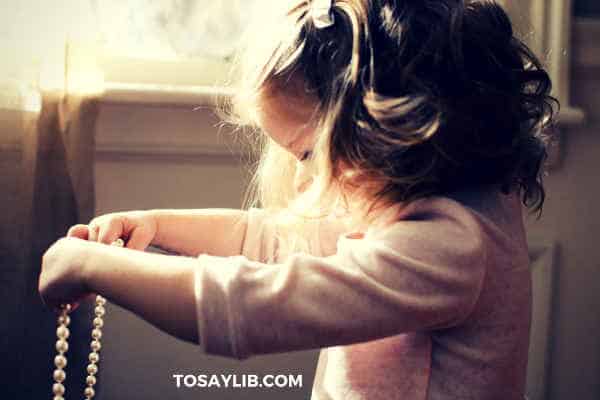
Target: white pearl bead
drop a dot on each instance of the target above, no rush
(95, 345)
(59, 375)
(60, 361)
(96, 333)
(62, 332)
(62, 346)
(89, 392)
(99, 311)
(64, 320)
(90, 380)
(98, 322)
(58, 389)
(94, 357)
(92, 369)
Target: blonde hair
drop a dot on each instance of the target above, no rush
(268, 65)
(413, 99)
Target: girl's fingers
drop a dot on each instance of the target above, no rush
(110, 231)
(93, 230)
(140, 239)
(79, 231)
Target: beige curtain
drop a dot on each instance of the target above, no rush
(46, 185)
(56, 191)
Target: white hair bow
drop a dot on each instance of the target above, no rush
(320, 11)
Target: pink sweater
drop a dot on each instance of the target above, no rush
(434, 303)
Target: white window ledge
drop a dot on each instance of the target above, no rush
(143, 94)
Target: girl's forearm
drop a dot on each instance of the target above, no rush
(156, 287)
(213, 231)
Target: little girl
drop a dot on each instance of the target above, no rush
(401, 137)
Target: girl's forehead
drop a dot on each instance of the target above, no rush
(288, 120)
(291, 92)
(288, 106)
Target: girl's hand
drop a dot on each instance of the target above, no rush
(62, 279)
(137, 228)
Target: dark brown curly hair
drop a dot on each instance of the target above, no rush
(422, 97)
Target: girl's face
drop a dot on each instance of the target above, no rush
(288, 120)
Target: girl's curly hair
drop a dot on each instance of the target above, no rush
(423, 97)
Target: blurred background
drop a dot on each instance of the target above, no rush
(110, 105)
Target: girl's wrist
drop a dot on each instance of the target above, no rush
(154, 216)
(91, 252)
(96, 256)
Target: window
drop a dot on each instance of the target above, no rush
(171, 29)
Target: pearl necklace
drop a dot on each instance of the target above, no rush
(62, 346)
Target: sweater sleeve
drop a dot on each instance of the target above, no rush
(262, 239)
(422, 272)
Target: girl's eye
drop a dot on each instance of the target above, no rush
(306, 155)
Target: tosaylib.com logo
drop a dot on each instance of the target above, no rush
(226, 381)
